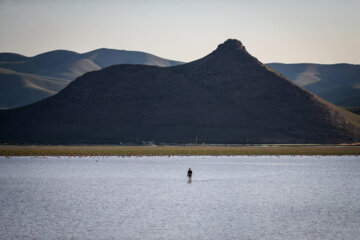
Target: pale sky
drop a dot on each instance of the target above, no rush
(318, 31)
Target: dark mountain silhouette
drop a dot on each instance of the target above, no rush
(226, 97)
(336, 83)
(52, 71)
(25, 80)
(11, 57)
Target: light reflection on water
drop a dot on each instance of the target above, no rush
(240, 197)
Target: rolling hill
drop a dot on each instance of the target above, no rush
(336, 83)
(25, 80)
(18, 89)
(226, 97)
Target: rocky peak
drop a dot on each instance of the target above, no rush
(231, 45)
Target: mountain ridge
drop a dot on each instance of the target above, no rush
(227, 96)
(62, 65)
(317, 78)
(337, 83)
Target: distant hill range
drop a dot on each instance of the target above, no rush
(336, 83)
(25, 80)
(226, 97)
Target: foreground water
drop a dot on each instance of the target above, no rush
(150, 198)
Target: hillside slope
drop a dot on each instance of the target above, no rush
(226, 97)
(336, 83)
(61, 67)
(18, 89)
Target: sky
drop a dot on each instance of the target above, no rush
(317, 31)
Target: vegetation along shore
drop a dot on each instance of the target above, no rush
(112, 150)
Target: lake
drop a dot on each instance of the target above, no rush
(239, 197)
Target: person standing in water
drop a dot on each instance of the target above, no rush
(189, 175)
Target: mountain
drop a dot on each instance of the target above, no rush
(106, 57)
(226, 97)
(19, 88)
(11, 57)
(69, 65)
(336, 83)
(52, 71)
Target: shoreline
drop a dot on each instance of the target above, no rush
(207, 150)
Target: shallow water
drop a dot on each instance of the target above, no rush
(149, 198)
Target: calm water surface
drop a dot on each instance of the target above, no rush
(150, 198)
